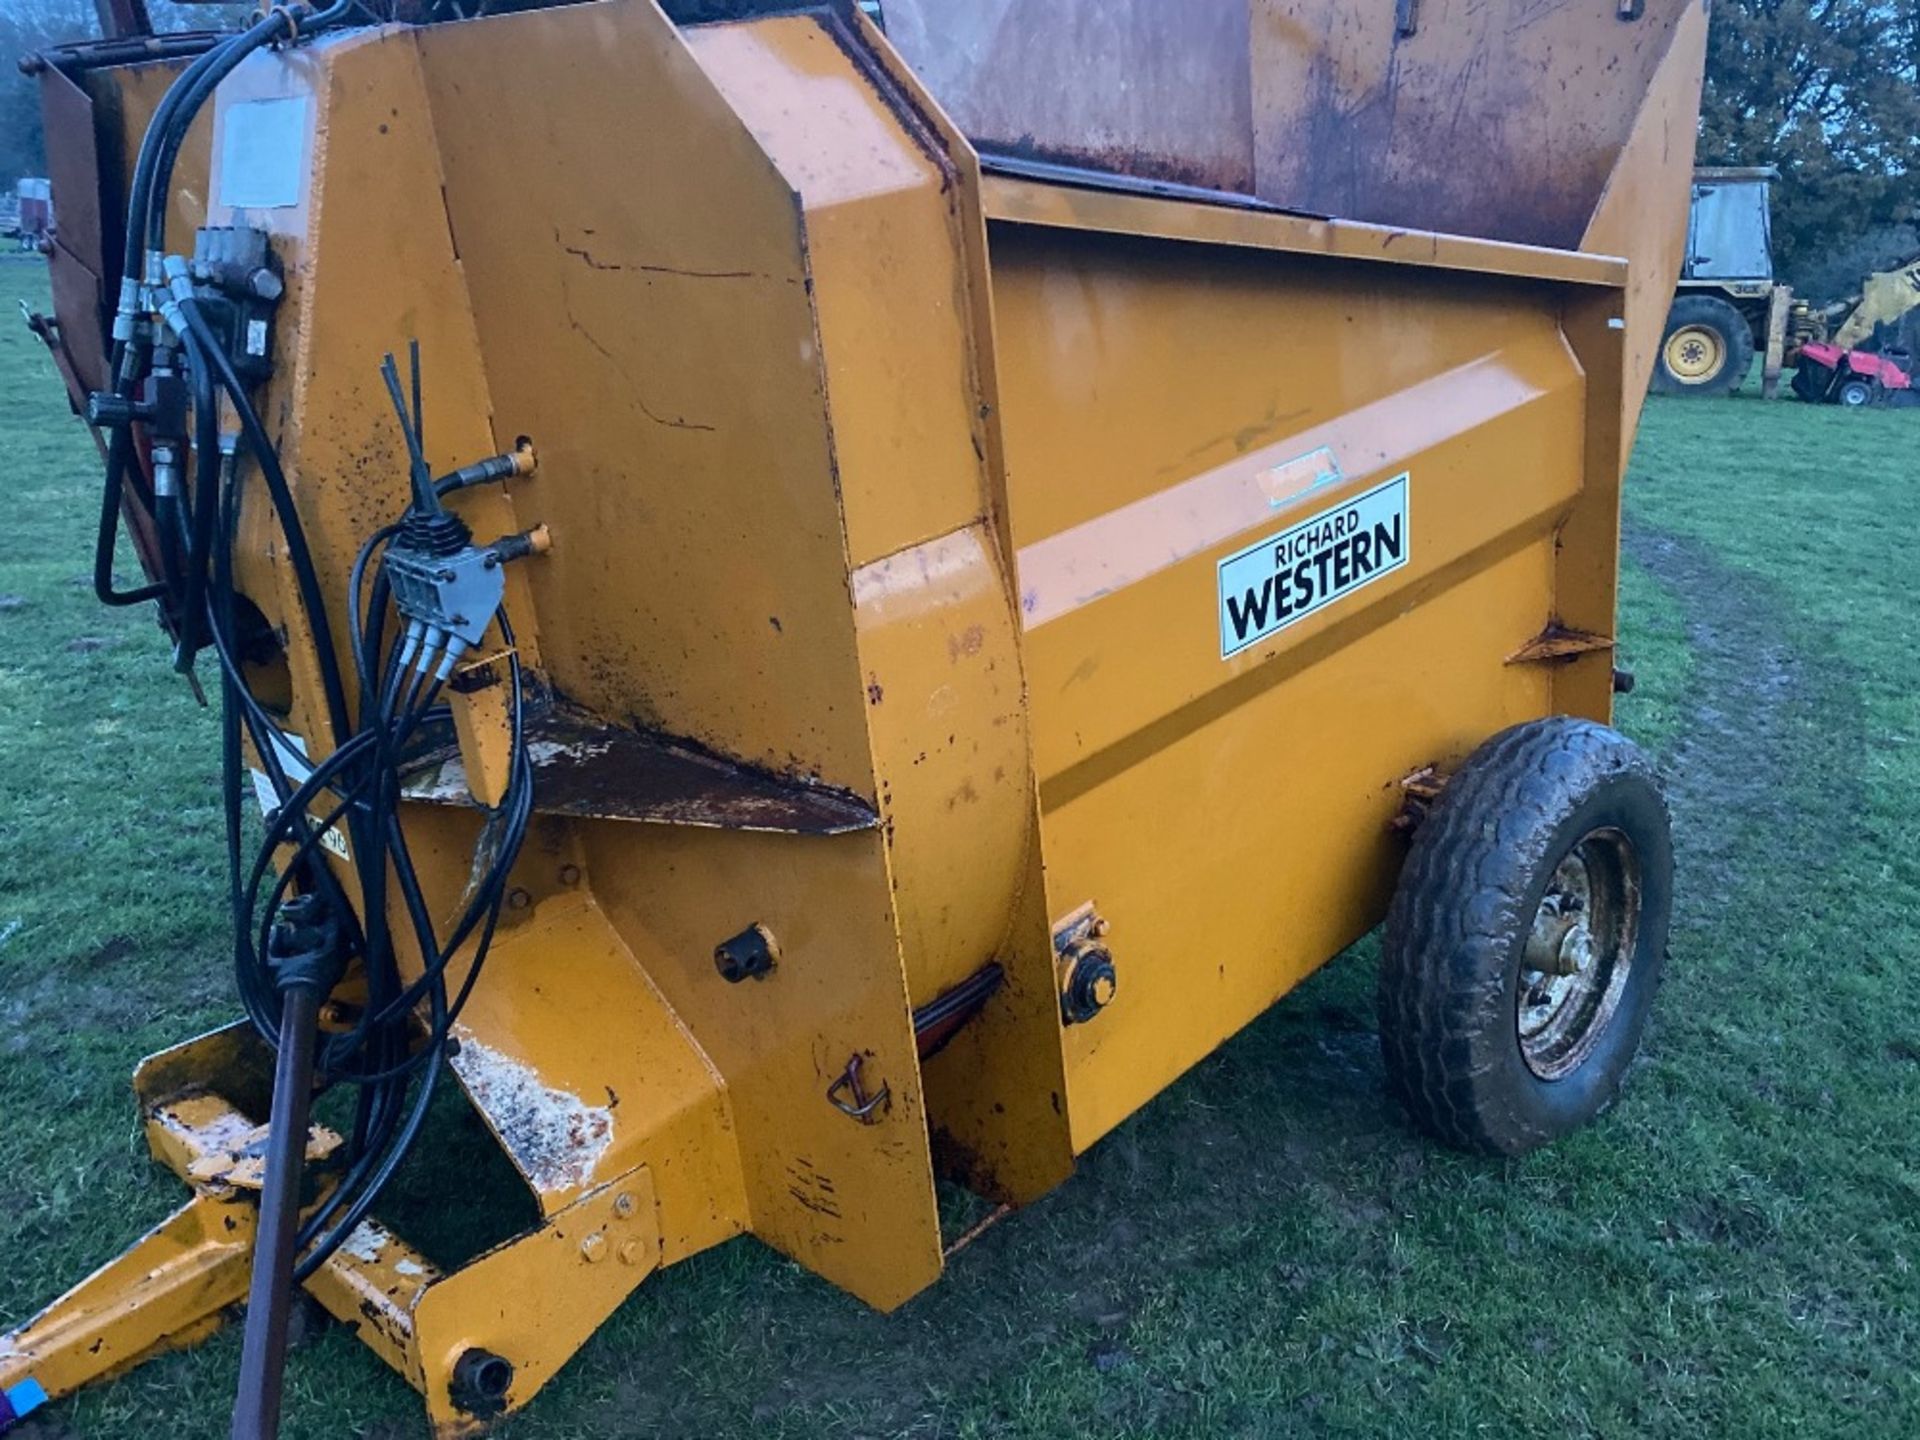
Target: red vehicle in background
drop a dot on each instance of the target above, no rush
(34, 199)
(1828, 374)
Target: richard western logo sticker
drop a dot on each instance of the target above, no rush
(1287, 577)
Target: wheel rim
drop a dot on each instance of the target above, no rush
(1579, 954)
(1695, 354)
(1854, 394)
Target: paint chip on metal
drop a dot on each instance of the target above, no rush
(554, 1137)
(365, 1242)
(548, 752)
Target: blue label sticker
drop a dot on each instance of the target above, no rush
(19, 1401)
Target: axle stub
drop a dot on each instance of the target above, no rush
(480, 1382)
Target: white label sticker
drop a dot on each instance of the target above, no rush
(293, 761)
(263, 150)
(1287, 577)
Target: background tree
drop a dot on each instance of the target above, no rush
(25, 26)
(30, 25)
(1828, 91)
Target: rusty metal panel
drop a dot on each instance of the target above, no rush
(1495, 118)
(1150, 88)
(1029, 202)
(1500, 118)
(657, 339)
(585, 767)
(80, 239)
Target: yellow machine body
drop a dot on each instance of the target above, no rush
(889, 494)
(1887, 297)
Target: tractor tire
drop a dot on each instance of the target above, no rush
(1525, 941)
(1854, 394)
(1707, 348)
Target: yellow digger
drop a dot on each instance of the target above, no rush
(1730, 308)
(809, 599)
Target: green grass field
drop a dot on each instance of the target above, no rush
(1266, 1250)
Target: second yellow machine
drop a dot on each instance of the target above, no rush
(813, 607)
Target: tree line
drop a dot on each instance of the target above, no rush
(30, 25)
(1828, 91)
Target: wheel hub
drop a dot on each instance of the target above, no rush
(1695, 354)
(1578, 954)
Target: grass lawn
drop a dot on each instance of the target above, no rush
(1266, 1250)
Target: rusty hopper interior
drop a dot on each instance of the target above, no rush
(916, 792)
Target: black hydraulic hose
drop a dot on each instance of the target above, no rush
(299, 555)
(240, 712)
(200, 80)
(125, 369)
(147, 196)
(173, 118)
(106, 540)
(206, 508)
(384, 1165)
(263, 1351)
(140, 188)
(379, 1174)
(206, 74)
(377, 1161)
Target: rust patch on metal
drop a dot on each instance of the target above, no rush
(1558, 643)
(1154, 97)
(1418, 791)
(585, 766)
(976, 1230)
(555, 1138)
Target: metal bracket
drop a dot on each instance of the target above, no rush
(1559, 643)
(1088, 980)
(849, 1096)
(1418, 791)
